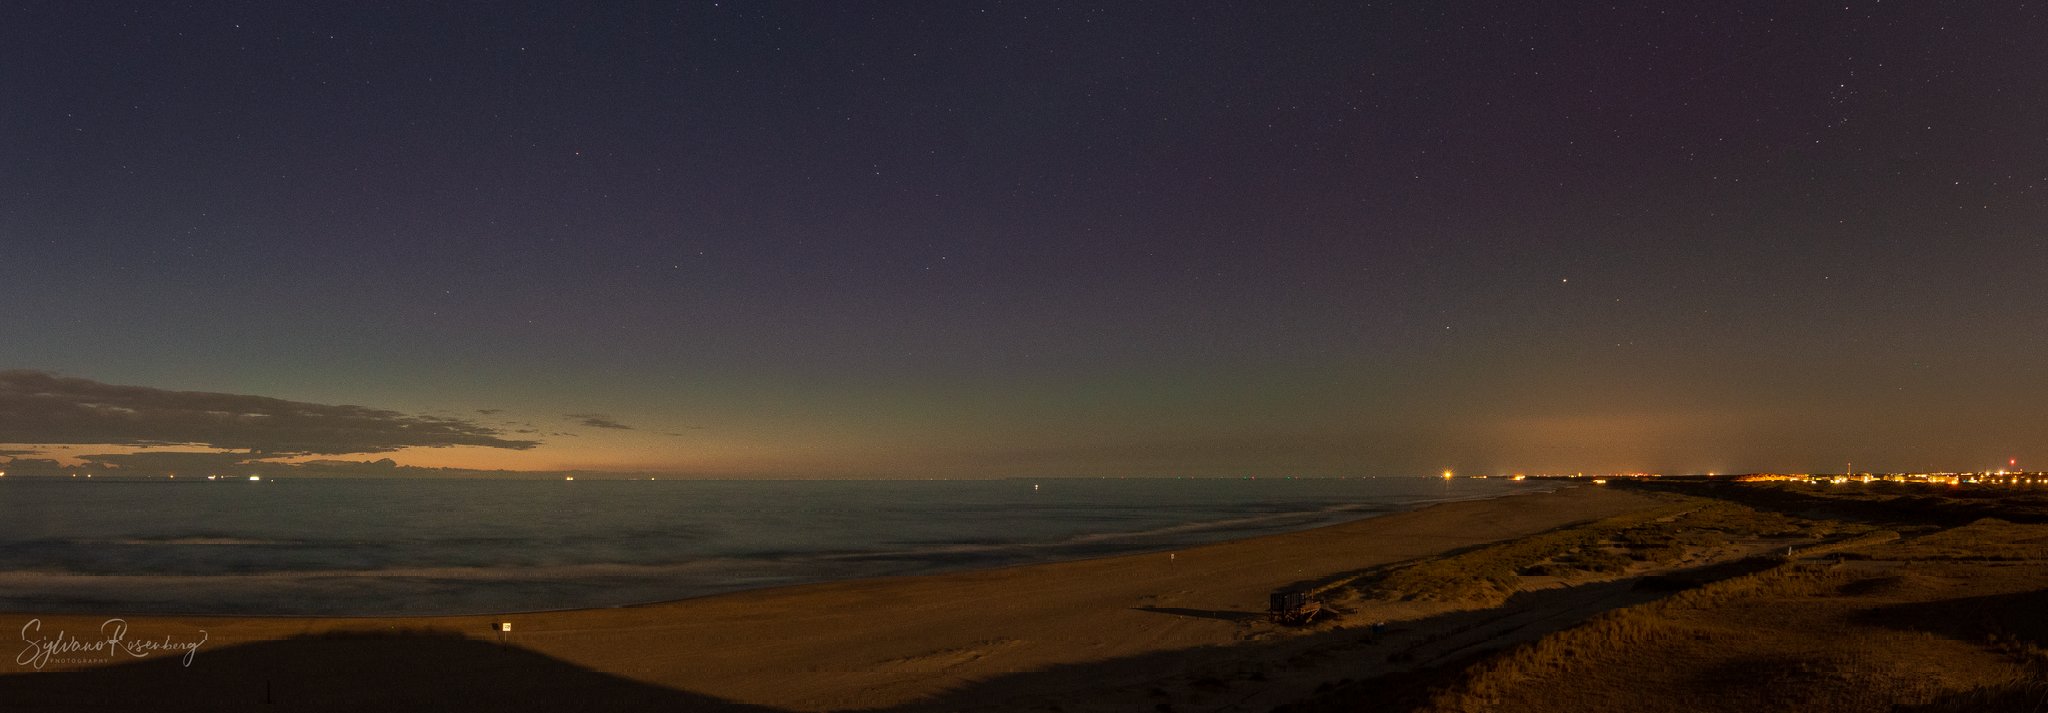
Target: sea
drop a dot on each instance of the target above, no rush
(375, 547)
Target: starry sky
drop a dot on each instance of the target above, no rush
(966, 239)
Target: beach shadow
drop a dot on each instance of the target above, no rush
(353, 671)
(1694, 577)
(2012, 696)
(1240, 616)
(1976, 620)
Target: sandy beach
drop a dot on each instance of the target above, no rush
(1074, 635)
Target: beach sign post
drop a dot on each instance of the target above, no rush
(501, 627)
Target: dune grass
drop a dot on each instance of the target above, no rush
(1989, 539)
(1889, 601)
(1488, 576)
(1798, 636)
(1848, 678)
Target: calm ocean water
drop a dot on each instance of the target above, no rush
(358, 547)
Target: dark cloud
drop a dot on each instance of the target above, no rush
(33, 466)
(598, 420)
(490, 411)
(381, 468)
(168, 461)
(42, 408)
(5, 453)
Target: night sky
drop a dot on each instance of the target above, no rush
(990, 239)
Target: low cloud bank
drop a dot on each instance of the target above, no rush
(40, 408)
